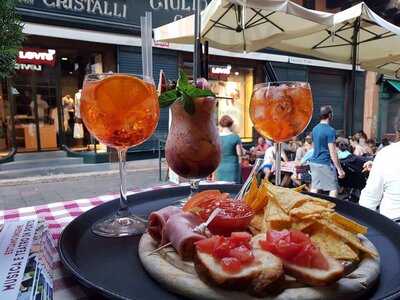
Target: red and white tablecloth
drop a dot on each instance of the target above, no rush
(57, 216)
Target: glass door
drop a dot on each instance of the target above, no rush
(34, 95)
(25, 118)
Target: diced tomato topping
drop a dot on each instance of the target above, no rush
(304, 257)
(243, 254)
(231, 264)
(268, 246)
(222, 250)
(231, 252)
(241, 236)
(208, 245)
(275, 235)
(287, 250)
(294, 246)
(297, 236)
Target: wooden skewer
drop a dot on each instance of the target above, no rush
(159, 248)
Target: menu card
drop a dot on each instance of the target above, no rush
(26, 261)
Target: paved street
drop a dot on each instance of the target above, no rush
(36, 191)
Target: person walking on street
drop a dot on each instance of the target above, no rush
(323, 173)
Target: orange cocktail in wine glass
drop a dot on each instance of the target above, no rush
(281, 111)
(121, 111)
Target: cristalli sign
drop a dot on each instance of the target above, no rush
(111, 12)
(96, 7)
(32, 59)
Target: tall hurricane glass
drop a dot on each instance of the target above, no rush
(281, 111)
(121, 111)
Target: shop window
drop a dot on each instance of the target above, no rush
(73, 70)
(233, 86)
(309, 4)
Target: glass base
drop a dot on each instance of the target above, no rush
(118, 226)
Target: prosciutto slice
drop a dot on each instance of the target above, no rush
(157, 221)
(179, 231)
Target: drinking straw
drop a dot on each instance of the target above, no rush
(143, 34)
(149, 26)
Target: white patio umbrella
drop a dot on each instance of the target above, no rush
(376, 40)
(357, 36)
(246, 25)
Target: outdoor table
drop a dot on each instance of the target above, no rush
(57, 216)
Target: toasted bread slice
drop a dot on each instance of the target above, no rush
(255, 277)
(310, 276)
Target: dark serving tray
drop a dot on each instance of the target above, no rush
(111, 267)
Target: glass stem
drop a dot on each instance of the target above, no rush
(123, 201)
(278, 154)
(194, 186)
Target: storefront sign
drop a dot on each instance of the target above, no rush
(221, 70)
(33, 59)
(111, 12)
(34, 56)
(28, 67)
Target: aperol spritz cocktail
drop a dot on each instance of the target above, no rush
(281, 110)
(121, 111)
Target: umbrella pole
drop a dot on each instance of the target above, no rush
(197, 44)
(352, 99)
(205, 58)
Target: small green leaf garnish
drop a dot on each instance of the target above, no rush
(184, 92)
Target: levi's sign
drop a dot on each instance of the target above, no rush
(113, 12)
(36, 56)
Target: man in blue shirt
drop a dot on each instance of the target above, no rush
(323, 173)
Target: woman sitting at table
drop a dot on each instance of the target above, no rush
(269, 161)
(232, 151)
(259, 150)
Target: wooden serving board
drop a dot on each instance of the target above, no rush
(181, 278)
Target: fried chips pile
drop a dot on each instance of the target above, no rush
(280, 208)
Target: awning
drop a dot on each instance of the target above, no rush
(395, 84)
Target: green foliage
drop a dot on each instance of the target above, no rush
(184, 92)
(11, 36)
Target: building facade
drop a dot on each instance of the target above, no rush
(39, 104)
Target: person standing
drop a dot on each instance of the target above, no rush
(232, 151)
(323, 173)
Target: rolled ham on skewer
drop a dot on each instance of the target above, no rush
(158, 220)
(179, 231)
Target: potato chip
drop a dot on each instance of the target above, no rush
(261, 197)
(299, 188)
(257, 221)
(310, 209)
(301, 225)
(276, 225)
(322, 202)
(251, 194)
(333, 245)
(273, 212)
(351, 238)
(286, 198)
(348, 224)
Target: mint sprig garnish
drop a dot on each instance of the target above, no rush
(184, 92)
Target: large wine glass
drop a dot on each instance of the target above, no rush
(193, 149)
(121, 111)
(281, 111)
